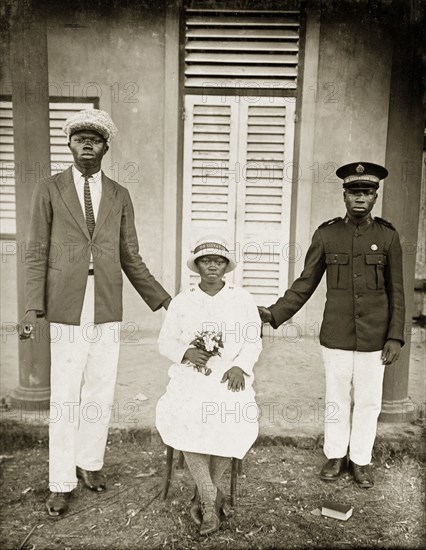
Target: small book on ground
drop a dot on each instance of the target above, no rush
(336, 510)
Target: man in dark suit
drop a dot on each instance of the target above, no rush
(363, 322)
(82, 235)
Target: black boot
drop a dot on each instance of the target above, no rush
(210, 522)
(222, 509)
(195, 509)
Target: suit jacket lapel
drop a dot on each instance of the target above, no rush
(107, 202)
(69, 195)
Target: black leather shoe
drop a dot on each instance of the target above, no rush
(362, 475)
(195, 509)
(93, 480)
(222, 509)
(210, 522)
(57, 503)
(333, 468)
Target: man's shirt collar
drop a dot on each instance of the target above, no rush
(96, 177)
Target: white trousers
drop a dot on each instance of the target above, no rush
(363, 372)
(84, 363)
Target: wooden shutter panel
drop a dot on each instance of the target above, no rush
(264, 194)
(237, 184)
(60, 155)
(211, 125)
(7, 173)
(233, 48)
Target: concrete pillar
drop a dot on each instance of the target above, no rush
(28, 52)
(401, 202)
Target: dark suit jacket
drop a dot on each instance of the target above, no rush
(59, 248)
(365, 293)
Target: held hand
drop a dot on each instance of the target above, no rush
(265, 314)
(27, 325)
(197, 357)
(391, 352)
(235, 377)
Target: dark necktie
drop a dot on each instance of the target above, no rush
(88, 207)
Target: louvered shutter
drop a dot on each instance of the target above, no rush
(211, 132)
(241, 48)
(60, 155)
(7, 173)
(263, 197)
(237, 185)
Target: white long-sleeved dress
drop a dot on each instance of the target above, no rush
(198, 413)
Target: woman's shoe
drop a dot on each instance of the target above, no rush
(210, 522)
(195, 509)
(222, 509)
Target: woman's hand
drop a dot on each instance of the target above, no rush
(235, 377)
(197, 357)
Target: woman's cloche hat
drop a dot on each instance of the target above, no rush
(212, 245)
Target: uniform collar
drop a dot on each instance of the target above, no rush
(365, 223)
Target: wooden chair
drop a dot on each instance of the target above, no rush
(236, 470)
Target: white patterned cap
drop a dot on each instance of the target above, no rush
(211, 245)
(91, 119)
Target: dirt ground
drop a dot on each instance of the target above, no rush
(278, 494)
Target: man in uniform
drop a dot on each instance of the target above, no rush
(363, 322)
(81, 236)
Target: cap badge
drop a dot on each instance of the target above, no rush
(374, 247)
(360, 169)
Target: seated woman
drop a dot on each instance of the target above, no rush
(209, 410)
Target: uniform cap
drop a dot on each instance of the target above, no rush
(211, 245)
(91, 119)
(361, 175)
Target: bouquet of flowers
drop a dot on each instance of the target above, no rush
(210, 342)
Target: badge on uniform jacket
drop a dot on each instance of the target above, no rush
(374, 247)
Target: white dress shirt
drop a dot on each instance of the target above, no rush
(95, 184)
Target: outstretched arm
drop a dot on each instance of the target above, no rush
(302, 288)
(133, 265)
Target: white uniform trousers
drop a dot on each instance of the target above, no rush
(363, 372)
(84, 363)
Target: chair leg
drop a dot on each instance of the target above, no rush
(180, 463)
(168, 473)
(234, 475)
(240, 467)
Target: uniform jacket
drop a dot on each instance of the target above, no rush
(59, 249)
(365, 296)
